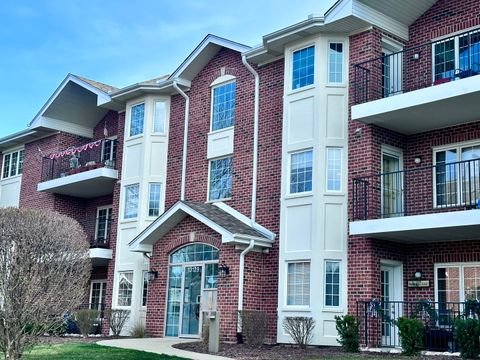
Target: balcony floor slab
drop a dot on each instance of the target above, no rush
(448, 226)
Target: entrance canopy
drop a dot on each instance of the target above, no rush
(234, 227)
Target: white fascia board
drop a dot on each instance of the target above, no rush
(209, 39)
(311, 22)
(60, 125)
(102, 97)
(339, 10)
(142, 88)
(245, 239)
(100, 253)
(142, 248)
(246, 220)
(416, 222)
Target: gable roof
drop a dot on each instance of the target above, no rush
(234, 227)
(203, 53)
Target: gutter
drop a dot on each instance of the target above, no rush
(185, 138)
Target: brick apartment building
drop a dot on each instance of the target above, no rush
(331, 165)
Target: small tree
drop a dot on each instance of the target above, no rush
(44, 269)
(117, 319)
(86, 320)
(300, 329)
(347, 328)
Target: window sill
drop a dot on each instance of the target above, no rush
(299, 195)
(296, 309)
(128, 221)
(11, 177)
(217, 200)
(134, 137)
(221, 130)
(333, 309)
(301, 89)
(334, 85)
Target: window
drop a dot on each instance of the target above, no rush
(104, 224)
(301, 172)
(334, 169)
(298, 284)
(125, 288)
(211, 276)
(220, 179)
(335, 63)
(458, 283)
(131, 201)
(457, 56)
(223, 109)
(159, 117)
(97, 294)
(154, 199)
(137, 114)
(332, 283)
(303, 67)
(13, 164)
(109, 152)
(457, 175)
(145, 288)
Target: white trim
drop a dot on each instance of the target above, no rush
(289, 78)
(209, 39)
(289, 170)
(285, 300)
(223, 80)
(214, 86)
(340, 191)
(103, 172)
(129, 120)
(461, 279)
(209, 174)
(340, 306)
(10, 163)
(343, 82)
(150, 183)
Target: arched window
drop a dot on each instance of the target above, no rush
(194, 253)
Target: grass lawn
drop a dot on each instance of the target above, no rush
(82, 351)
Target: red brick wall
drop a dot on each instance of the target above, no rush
(261, 270)
(364, 254)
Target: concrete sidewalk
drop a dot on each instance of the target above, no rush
(159, 346)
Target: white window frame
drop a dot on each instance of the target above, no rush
(109, 209)
(456, 41)
(102, 291)
(144, 279)
(118, 288)
(294, 306)
(111, 157)
(329, 64)
(458, 147)
(159, 198)
(340, 149)
(129, 120)
(154, 117)
(461, 266)
(125, 199)
(289, 164)
(209, 175)
(212, 91)
(339, 262)
(10, 153)
(315, 65)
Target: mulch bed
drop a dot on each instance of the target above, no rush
(280, 352)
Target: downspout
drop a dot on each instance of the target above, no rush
(185, 139)
(255, 138)
(241, 275)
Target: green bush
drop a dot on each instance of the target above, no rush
(347, 328)
(86, 320)
(467, 332)
(411, 333)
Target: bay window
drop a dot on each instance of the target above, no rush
(298, 284)
(13, 164)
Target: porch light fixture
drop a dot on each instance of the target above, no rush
(418, 159)
(418, 274)
(152, 275)
(223, 270)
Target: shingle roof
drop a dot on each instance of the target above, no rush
(101, 86)
(224, 219)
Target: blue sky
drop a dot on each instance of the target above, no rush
(111, 41)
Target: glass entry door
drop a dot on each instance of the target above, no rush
(392, 185)
(391, 303)
(192, 295)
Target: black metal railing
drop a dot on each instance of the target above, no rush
(418, 67)
(94, 155)
(98, 231)
(378, 322)
(423, 190)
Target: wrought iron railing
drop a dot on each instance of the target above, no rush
(418, 67)
(98, 231)
(423, 190)
(74, 160)
(378, 322)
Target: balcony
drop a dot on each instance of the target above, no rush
(430, 86)
(98, 235)
(424, 204)
(86, 171)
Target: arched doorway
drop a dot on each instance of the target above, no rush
(192, 287)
